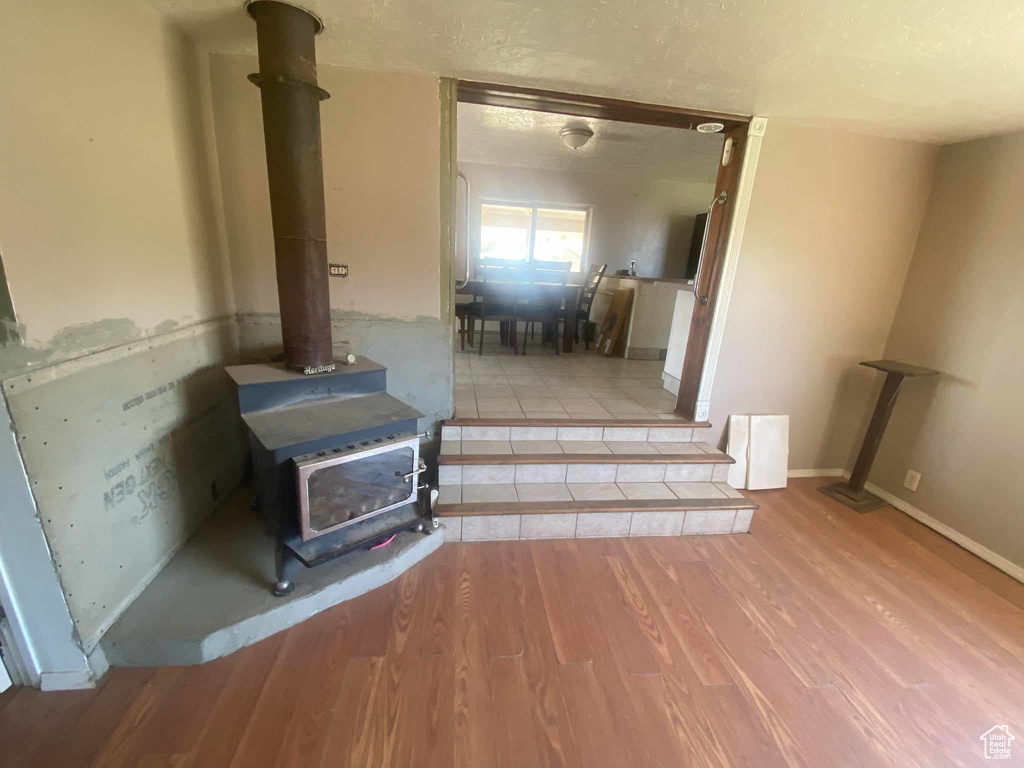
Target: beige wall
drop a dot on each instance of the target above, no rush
(962, 312)
(381, 139)
(381, 144)
(829, 237)
(649, 220)
(107, 220)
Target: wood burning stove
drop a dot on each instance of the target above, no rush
(335, 458)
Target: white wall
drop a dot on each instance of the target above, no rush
(829, 237)
(650, 220)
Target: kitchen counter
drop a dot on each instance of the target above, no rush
(640, 279)
(650, 321)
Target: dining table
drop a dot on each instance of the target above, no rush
(532, 292)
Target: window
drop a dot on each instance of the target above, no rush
(534, 233)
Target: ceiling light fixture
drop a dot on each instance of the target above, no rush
(575, 137)
(710, 127)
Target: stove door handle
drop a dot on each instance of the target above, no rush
(419, 470)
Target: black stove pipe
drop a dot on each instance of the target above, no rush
(291, 130)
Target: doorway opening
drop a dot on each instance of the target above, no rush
(628, 202)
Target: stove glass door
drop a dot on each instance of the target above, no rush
(340, 493)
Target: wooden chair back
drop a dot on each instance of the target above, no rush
(589, 290)
(502, 270)
(499, 298)
(555, 272)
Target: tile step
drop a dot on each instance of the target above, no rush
(680, 495)
(584, 458)
(594, 519)
(489, 469)
(561, 429)
(569, 432)
(607, 448)
(599, 506)
(484, 421)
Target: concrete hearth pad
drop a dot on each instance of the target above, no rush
(214, 596)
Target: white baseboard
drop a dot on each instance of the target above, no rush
(66, 681)
(1009, 568)
(815, 473)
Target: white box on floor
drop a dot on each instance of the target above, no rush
(760, 447)
(739, 442)
(768, 457)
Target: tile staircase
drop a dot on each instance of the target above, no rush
(578, 478)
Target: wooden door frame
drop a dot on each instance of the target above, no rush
(706, 319)
(709, 278)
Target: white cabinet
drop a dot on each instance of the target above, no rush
(679, 333)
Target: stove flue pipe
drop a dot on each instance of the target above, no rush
(291, 130)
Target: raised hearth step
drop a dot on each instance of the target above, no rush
(592, 519)
(214, 596)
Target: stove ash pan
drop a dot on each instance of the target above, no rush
(348, 484)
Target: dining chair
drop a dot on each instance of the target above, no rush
(504, 271)
(464, 316)
(547, 311)
(497, 303)
(585, 303)
(496, 269)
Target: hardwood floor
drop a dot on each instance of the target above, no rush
(823, 638)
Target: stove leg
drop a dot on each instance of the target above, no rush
(287, 565)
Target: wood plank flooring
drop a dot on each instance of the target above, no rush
(823, 638)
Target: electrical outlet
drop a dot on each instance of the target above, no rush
(911, 480)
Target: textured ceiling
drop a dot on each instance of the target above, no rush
(923, 69)
(520, 138)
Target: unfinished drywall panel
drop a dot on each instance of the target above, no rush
(126, 452)
(418, 355)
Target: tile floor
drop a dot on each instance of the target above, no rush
(542, 385)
